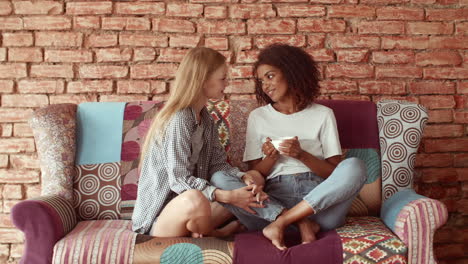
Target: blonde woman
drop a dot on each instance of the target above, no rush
(181, 152)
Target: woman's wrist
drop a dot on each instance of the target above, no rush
(222, 196)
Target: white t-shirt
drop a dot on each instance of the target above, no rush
(315, 127)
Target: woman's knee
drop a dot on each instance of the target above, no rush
(355, 167)
(222, 180)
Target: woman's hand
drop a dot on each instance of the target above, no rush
(291, 148)
(269, 150)
(245, 199)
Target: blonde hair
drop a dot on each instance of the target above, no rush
(194, 70)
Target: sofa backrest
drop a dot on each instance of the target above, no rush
(103, 184)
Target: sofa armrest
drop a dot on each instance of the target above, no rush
(44, 221)
(414, 219)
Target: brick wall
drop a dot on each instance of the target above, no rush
(70, 51)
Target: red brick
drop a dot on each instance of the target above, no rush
(59, 39)
(113, 54)
(15, 115)
(13, 70)
(103, 71)
(143, 40)
(322, 55)
(24, 100)
(321, 25)
(13, 192)
(5, 221)
(5, 8)
(149, 71)
(316, 41)
(38, 8)
(16, 145)
(349, 71)
(295, 40)
(283, 26)
(184, 10)
(3, 162)
(393, 57)
(438, 58)
(330, 86)
(11, 23)
(381, 27)
(445, 73)
(3, 54)
(122, 98)
(400, 13)
(158, 87)
(32, 190)
(439, 42)
(461, 101)
(140, 8)
(351, 11)
(434, 160)
(383, 2)
(438, 102)
(89, 8)
(217, 43)
(25, 55)
(398, 72)
(301, 10)
(247, 11)
(6, 130)
(423, 2)
(17, 250)
(462, 87)
(240, 71)
(354, 42)
(461, 160)
(461, 28)
(21, 39)
(89, 86)
(68, 56)
(429, 28)
(440, 131)
(11, 235)
(160, 97)
(215, 12)
(133, 87)
(172, 55)
(51, 71)
(126, 23)
(72, 99)
(241, 43)
(101, 40)
(144, 54)
(426, 87)
(221, 27)
(440, 116)
(6, 86)
(240, 86)
(433, 175)
(40, 86)
(47, 23)
(174, 25)
(446, 145)
(381, 87)
(184, 41)
(461, 117)
(350, 97)
(405, 42)
(86, 22)
(249, 56)
(24, 161)
(352, 55)
(447, 14)
(322, 1)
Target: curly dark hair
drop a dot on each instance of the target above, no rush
(299, 69)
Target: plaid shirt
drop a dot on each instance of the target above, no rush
(165, 170)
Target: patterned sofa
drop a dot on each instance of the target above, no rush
(89, 155)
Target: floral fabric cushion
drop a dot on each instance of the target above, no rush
(54, 132)
(401, 125)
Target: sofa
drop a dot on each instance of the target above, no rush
(89, 155)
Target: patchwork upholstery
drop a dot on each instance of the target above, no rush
(401, 125)
(105, 192)
(54, 132)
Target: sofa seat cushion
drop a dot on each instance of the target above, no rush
(99, 241)
(367, 240)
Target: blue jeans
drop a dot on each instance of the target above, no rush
(330, 198)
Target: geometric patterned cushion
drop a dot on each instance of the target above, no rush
(401, 125)
(367, 240)
(96, 191)
(101, 241)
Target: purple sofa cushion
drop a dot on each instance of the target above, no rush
(253, 247)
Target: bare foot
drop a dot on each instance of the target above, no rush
(308, 230)
(227, 230)
(274, 232)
